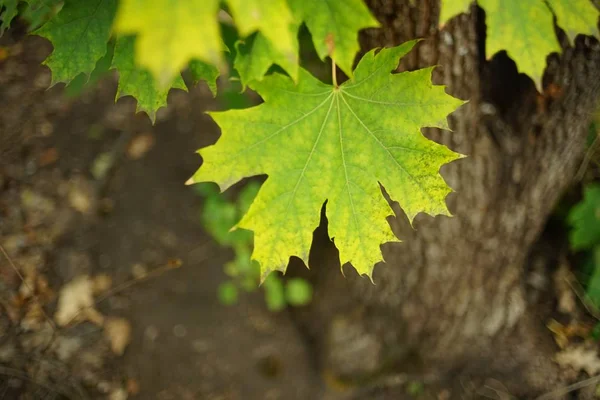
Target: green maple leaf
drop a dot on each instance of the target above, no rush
(585, 220)
(256, 54)
(79, 33)
(139, 82)
(451, 8)
(322, 143)
(334, 27)
(171, 33)
(38, 12)
(273, 19)
(202, 71)
(525, 29)
(576, 16)
(8, 14)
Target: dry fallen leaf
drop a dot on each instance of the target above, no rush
(133, 386)
(563, 333)
(564, 292)
(140, 145)
(118, 333)
(101, 283)
(76, 302)
(580, 357)
(118, 394)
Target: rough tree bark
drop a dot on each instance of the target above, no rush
(452, 295)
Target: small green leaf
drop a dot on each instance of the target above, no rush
(274, 293)
(38, 12)
(8, 11)
(593, 285)
(272, 18)
(219, 216)
(82, 82)
(415, 388)
(298, 292)
(170, 34)
(525, 30)
(451, 8)
(247, 196)
(575, 17)
(202, 71)
(585, 219)
(256, 54)
(228, 293)
(334, 26)
(79, 33)
(138, 82)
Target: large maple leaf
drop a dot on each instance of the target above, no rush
(320, 143)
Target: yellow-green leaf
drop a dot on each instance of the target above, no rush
(322, 143)
(334, 26)
(576, 16)
(171, 33)
(79, 33)
(525, 30)
(451, 8)
(138, 82)
(255, 55)
(8, 11)
(273, 19)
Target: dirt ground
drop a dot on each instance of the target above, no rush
(62, 217)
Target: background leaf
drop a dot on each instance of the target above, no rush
(585, 219)
(170, 34)
(8, 11)
(79, 33)
(138, 82)
(576, 16)
(334, 26)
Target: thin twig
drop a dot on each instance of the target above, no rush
(582, 298)
(588, 156)
(31, 290)
(556, 393)
(333, 73)
(171, 264)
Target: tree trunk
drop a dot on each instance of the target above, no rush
(452, 294)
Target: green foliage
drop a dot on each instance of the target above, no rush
(171, 34)
(218, 217)
(157, 39)
(8, 11)
(38, 12)
(82, 82)
(576, 17)
(585, 220)
(592, 286)
(318, 142)
(525, 28)
(138, 82)
(333, 25)
(298, 292)
(202, 71)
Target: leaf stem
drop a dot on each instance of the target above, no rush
(333, 74)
